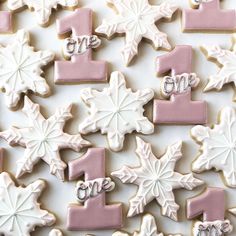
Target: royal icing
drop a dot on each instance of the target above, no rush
(42, 8)
(20, 69)
(55, 232)
(211, 205)
(5, 22)
(78, 47)
(43, 139)
(227, 61)
(180, 109)
(218, 146)
(136, 19)
(156, 179)
(95, 214)
(92, 188)
(208, 16)
(148, 227)
(116, 111)
(20, 211)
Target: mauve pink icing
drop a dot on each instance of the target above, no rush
(210, 204)
(81, 68)
(5, 22)
(95, 214)
(209, 16)
(180, 109)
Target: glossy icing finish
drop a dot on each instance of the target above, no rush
(116, 111)
(217, 150)
(156, 179)
(43, 139)
(209, 16)
(180, 109)
(42, 8)
(210, 204)
(95, 214)
(81, 68)
(136, 19)
(5, 22)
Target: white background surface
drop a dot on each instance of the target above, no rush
(140, 74)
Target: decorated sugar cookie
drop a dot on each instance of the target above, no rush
(211, 206)
(116, 111)
(208, 16)
(5, 22)
(218, 146)
(78, 48)
(42, 8)
(156, 179)
(43, 139)
(94, 213)
(20, 69)
(148, 227)
(177, 86)
(136, 19)
(227, 60)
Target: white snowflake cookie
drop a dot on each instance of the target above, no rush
(148, 228)
(20, 69)
(218, 146)
(136, 19)
(20, 211)
(227, 61)
(43, 139)
(156, 179)
(116, 111)
(41, 8)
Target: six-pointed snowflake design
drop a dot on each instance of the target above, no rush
(116, 111)
(136, 18)
(42, 8)
(20, 69)
(20, 212)
(156, 179)
(227, 73)
(148, 228)
(43, 139)
(218, 149)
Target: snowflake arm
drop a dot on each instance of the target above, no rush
(42, 8)
(137, 20)
(227, 73)
(156, 179)
(20, 69)
(218, 146)
(148, 228)
(116, 111)
(19, 210)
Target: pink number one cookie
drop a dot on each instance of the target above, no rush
(208, 16)
(180, 109)
(5, 22)
(95, 214)
(211, 205)
(81, 68)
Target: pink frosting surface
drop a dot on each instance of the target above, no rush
(5, 22)
(209, 16)
(95, 214)
(210, 204)
(81, 68)
(180, 109)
